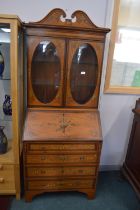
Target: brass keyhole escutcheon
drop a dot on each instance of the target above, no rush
(82, 158)
(62, 158)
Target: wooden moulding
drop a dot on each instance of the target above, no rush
(57, 18)
(6, 18)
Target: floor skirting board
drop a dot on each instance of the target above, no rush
(109, 167)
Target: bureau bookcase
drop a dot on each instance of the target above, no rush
(62, 135)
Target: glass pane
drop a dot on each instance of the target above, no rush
(20, 81)
(5, 82)
(46, 72)
(126, 59)
(83, 75)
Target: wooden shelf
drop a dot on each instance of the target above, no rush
(5, 79)
(8, 157)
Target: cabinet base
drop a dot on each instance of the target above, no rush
(127, 173)
(30, 194)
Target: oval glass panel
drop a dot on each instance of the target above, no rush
(83, 74)
(45, 72)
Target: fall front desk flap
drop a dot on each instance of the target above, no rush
(62, 125)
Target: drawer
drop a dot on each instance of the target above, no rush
(7, 178)
(60, 171)
(59, 184)
(37, 148)
(45, 159)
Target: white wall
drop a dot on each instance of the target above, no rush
(32, 10)
(116, 116)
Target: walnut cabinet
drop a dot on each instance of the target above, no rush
(62, 134)
(131, 166)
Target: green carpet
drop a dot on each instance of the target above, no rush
(112, 193)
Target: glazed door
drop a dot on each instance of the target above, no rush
(45, 71)
(84, 73)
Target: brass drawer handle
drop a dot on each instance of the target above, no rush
(62, 147)
(43, 171)
(1, 180)
(43, 148)
(62, 171)
(70, 184)
(82, 157)
(61, 184)
(92, 146)
(1, 167)
(43, 157)
(51, 185)
(62, 158)
(36, 172)
(95, 156)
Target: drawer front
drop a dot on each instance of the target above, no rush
(7, 178)
(36, 148)
(60, 171)
(59, 184)
(44, 159)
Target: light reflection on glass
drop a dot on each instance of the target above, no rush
(127, 46)
(126, 58)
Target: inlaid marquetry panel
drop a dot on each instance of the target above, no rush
(59, 184)
(61, 125)
(44, 159)
(60, 171)
(35, 147)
